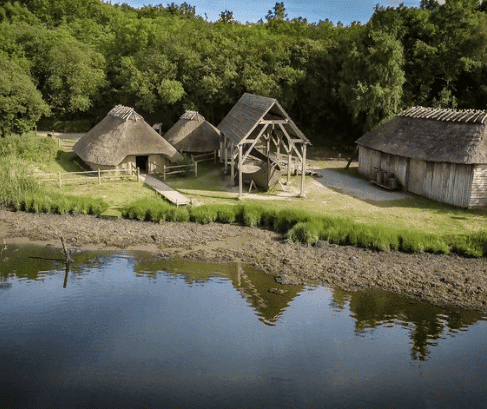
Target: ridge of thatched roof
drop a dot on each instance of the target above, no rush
(449, 115)
(121, 133)
(246, 114)
(192, 133)
(432, 135)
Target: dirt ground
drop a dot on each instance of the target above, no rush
(440, 279)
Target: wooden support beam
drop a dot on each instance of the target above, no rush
(240, 163)
(291, 143)
(247, 153)
(232, 165)
(274, 121)
(303, 170)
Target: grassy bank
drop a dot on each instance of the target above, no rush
(411, 225)
(20, 190)
(309, 229)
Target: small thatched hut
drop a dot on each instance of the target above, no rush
(437, 153)
(124, 140)
(193, 134)
(256, 123)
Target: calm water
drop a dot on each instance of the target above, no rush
(128, 330)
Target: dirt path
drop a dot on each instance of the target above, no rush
(443, 280)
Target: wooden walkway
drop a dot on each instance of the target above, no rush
(169, 193)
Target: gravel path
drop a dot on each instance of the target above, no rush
(356, 187)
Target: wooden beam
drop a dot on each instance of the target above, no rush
(247, 153)
(232, 164)
(303, 170)
(240, 162)
(274, 121)
(292, 143)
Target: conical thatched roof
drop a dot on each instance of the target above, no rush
(121, 133)
(249, 111)
(437, 135)
(192, 133)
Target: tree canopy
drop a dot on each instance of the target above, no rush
(78, 58)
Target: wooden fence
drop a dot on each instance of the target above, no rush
(170, 170)
(93, 176)
(204, 156)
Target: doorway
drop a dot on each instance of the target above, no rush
(142, 162)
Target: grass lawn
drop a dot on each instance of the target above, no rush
(212, 186)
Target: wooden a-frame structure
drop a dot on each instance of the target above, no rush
(258, 122)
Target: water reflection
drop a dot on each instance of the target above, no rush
(426, 323)
(257, 288)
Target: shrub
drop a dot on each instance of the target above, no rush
(285, 219)
(305, 232)
(252, 215)
(203, 214)
(226, 214)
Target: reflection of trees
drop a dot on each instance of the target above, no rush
(375, 308)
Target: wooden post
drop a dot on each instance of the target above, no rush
(214, 159)
(164, 172)
(225, 156)
(303, 171)
(60, 182)
(289, 168)
(99, 176)
(138, 174)
(59, 143)
(232, 166)
(196, 169)
(239, 171)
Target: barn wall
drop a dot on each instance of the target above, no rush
(478, 196)
(397, 165)
(368, 159)
(445, 182)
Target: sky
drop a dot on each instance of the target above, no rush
(345, 11)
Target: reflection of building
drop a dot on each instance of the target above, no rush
(252, 284)
(373, 308)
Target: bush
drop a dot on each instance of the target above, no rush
(203, 214)
(285, 219)
(252, 215)
(226, 214)
(305, 232)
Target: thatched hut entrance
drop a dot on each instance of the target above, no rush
(142, 162)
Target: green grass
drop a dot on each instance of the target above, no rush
(415, 224)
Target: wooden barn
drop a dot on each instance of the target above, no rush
(437, 153)
(250, 130)
(123, 140)
(192, 134)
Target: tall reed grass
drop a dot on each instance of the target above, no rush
(309, 229)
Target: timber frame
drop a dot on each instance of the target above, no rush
(257, 122)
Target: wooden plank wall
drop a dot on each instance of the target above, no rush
(478, 196)
(368, 159)
(445, 182)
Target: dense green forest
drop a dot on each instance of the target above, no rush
(67, 60)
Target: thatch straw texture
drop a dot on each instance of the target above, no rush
(432, 135)
(248, 112)
(121, 133)
(192, 133)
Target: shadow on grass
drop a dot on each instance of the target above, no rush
(70, 162)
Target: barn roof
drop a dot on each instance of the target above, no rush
(192, 133)
(249, 111)
(430, 134)
(121, 133)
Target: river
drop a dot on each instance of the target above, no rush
(130, 330)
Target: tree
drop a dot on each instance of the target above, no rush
(21, 104)
(226, 17)
(372, 79)
(279, 12)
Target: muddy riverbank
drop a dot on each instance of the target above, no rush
(441, 279)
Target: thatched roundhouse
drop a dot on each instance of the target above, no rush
(255, 123)
(193, 134)
(123, 140)
(437, 153)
